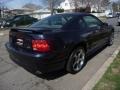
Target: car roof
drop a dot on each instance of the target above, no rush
(75, 13)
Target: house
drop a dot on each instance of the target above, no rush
(67, 6)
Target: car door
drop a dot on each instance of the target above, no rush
(104, 30)
(93, 34)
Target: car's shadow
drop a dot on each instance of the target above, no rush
(47, 76)
(96, 53)
(55, 74)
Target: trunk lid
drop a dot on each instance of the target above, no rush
(21, 38)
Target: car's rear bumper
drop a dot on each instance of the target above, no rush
(39, 62)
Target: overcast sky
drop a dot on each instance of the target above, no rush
(114, 0)
(19, 3)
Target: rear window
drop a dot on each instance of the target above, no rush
(56, 21)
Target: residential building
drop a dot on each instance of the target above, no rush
(67, 6)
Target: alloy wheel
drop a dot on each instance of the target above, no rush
(78, 60)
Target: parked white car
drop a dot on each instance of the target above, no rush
(110, 15)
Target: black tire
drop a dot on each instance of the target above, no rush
(111, 39)
(118, 23)
(75, 64)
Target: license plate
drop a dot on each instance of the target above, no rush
(19, 39)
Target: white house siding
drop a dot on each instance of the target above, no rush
(67, 6)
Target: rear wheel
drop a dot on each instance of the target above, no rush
(76, 61)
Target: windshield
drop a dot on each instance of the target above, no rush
(110, 13)
(56, 21)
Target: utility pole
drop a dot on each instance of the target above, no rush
(0, 10)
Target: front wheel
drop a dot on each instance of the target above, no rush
(111, 39)
(118, 23)
(76, 61)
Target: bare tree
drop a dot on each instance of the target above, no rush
(105, 3)
(99, 4)
(3, 6)
(52, 4)
(76, 3)
(116, 6)
(80, 3)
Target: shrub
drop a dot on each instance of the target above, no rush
(59, 10)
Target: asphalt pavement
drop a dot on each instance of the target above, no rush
(14, 77)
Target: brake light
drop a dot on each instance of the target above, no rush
(40, 45)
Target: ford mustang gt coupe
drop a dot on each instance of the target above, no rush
(61, 41)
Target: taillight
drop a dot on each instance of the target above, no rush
(40, 45)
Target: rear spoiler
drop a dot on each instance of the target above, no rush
(26, 30)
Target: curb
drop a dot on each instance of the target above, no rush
(98, 75)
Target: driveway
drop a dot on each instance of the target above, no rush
(14, 77)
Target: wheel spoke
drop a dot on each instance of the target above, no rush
(75, 66)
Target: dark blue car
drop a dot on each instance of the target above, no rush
(59, 41)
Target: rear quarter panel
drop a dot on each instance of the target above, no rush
(65, 40)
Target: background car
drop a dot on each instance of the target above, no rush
(110, 15)
(19, 20)
(2, 23)
(59, 41)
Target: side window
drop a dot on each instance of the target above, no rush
(91, 21)
(57, 21)
(17, 18)
(82, 24)
(45, 22)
